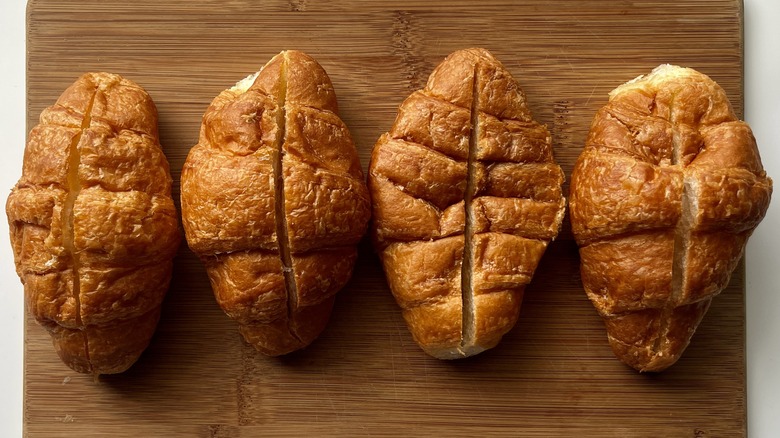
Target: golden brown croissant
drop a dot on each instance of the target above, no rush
(274, 202)
(466, 198)
(93, 226)
(663, 199)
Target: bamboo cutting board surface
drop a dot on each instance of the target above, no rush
(553, 375)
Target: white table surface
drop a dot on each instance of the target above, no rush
(762, 111)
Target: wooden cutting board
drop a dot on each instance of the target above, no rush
(553, 375)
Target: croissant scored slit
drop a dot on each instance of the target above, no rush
(281, 218)
(74, 188)
(468, 327)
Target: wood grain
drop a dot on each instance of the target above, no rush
(553, 375)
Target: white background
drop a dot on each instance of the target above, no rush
(762, 111)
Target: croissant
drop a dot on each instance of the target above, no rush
(274, 202)
(663, 199)
(93, 226)
(466, 197)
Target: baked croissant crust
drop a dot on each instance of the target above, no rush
(274, 202)
(93, 226)
(466, 197)
(663, 199)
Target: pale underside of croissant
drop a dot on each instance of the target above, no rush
(93, 226)
(466, 197)
(274, 202)
(664, 197)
